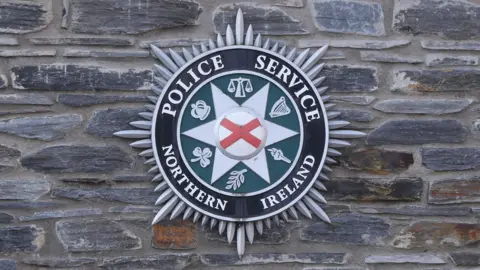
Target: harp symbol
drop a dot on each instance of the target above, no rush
(279, 108)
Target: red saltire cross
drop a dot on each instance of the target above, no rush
(240, 132)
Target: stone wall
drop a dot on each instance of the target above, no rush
(403, 71)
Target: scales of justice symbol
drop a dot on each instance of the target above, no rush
(248, 127)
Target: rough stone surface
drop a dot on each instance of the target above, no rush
(14, 14)
(87, 41)
(62, 214)
(159, 261)
(275, 236)
(425, 106)
(266, 20)
(413, 210)
(24, 111)
(106, 122)
(134, 209)
(95, 235)
(5, 218)
(89, 100)
(77, 158)
(456, 79)
(45, 128)
(25, 99)
(27, 238)
(59, 262)
(354, 44)
(445, 60)
(405, 258)
(125, 195)
(290, 3)
(373, 56)
(355, 115)
(133, 178)
(7, 153)
(426, 234)
(408, 132)
(27, 53)
(451, 159)
(175, 234)
(8, 41)
(454, 191)
(356, 100)
(350, 78)
(348, 229)
(68, 77)
(374, 189)
(376, 160)
(465, 258)
(475, 128)
(3, 81)
(448, 18)
(23, 189)
(7, 264)
(168, 43)
(347, 16)
(105, 53)
(270, 258)
(131, 17)
(464, 45)
(28, 205)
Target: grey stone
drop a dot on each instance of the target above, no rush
(374, 56)
(423, 106)
(8, 41)
(447, 18)
(29, 205)
(77, 158)
(27, 238)
(7, 153)
(413, 210)
(456, 79)
(6, 168)
(133, 178)
(5, 218)
(270, 258)
(410, 132)
(133, 209)
(69, 77)
(24, 111)
(445, 60)
(78, 235)
(59, 262)
(376, 160)
(349, 17)
(3, 81)
(27, 53)
(25, 99)
(335, 268)
(168, 43)
(354, 44)
(65, 13)
(266, 20)
(454, 191)
(126, 195)
(464, 45)
(333, 55)
(45, 128)
(290, 3)
(350, 78)
(451, 159)
(131, 16)
(465, 258)
(79, 212)
(275, 236)
(159, 262)
(30, 189)
(355, 115)
(374, 189)
(87, 41)
(356, 100)
(405, 258)
(7, 264)
(475, 128)
(89, 100)
(15, 13)
(84, 180)
(105, 53)
(106, 122)
(348, 229)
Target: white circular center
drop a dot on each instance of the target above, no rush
(240, 134)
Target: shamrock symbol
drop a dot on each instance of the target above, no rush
(236, 179)
(202, 156)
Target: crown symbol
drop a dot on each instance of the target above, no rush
(240, 86)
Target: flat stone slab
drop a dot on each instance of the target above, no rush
(169, 43)
(78, 235)
(453, 191)
(273, 258)
(411, 132)
(405, 258)
(87, 41)
(106, 53)
(445, 60)
(59, 262)
(29, 205)
(79, 212)
(348, 16)
(451, 19)
(24, 189)
(463, 45)
(350, 229)
(131, 17)
(106, 122)
(126, 195)
(374, 189)
(465, 258)
(6, 218)
(265, 19)
(353, 44)
(413, 210)
(14, 14)
(80, 100)
(373, 56)
(451, 159)
(8, 153)
(26, 238)
(356, 100)
(25, 99)
(378, 161)
(159, 262)
(422, 106)
(77, 158)
(351, 115)
(350, 79)
(70, 77)
(7, 264)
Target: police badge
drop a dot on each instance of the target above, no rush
(239, 135)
